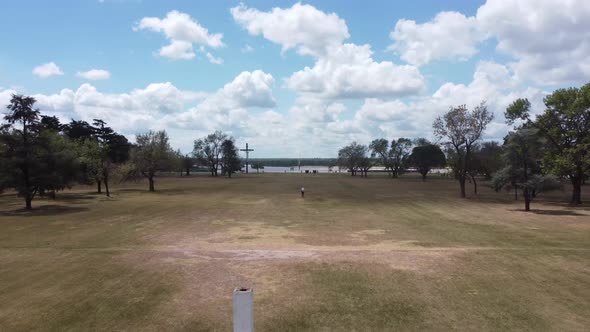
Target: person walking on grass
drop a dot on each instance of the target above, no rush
(302, 192)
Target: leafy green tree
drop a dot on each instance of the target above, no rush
(79, 130)
(187, 164)
(462, 129)
(101, 153)
(426, 157)
(34, 161)
(21, 153)
(51, 123)
(420, 141)
(380, 149)
(522, 156)
(58, 157)
(152, 154)
(565, 124)
(400, 154)
(230, 160)
(488, 157)
(354, 158)
(176, 162)
(257, 165)
(208, 151)
(91, 157)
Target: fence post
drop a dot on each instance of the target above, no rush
(243, 309)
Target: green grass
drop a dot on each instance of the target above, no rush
(356, 254)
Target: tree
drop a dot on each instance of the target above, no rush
(91, 158)
(187, 164)
(101, 134)
(364, 162)
(58, 158)
(118, 148)
(257, 165)
(176, 162)
(489, 158)
(354, 158)
(420, 141)
(21, 145)
(400, 153)
(151, 155)
(78, 130)
(51, 123)
(380, 149)
(425, 157)
(208, 150)
(462, 129)
(101, 153)
(34, 161)
(565, 124)
(522, 155)
(230, 161)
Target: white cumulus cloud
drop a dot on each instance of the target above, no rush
(341, 70)
(95, 74)
(349, 71)
(183, 32)
(227, 107)
(177, 49)
(47, 70)
(548, 40)
(450, 35)
(214, 60)
(303, 27)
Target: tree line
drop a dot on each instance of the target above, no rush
(40, 156)
(534, 157)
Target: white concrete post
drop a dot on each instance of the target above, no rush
(243, 310)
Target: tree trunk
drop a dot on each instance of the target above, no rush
(98, 186)
(151, 180)
(515, 193)
(462, 185)
(474, 184)
(527, 199)
(188, 172)
(106, 187)
(28, 200)
(577, 190)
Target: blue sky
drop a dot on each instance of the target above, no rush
(268, 74)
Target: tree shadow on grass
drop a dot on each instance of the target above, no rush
(552, 212)
(44, 210)
(557, 212)
(166, 191)
(76, 196)
(568, 205)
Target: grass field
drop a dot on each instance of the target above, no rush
(356, 254)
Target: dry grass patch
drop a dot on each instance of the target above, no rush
(355, 254)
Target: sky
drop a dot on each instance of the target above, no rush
(293, 79)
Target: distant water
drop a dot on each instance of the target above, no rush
(322, 169)
(302, 169)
